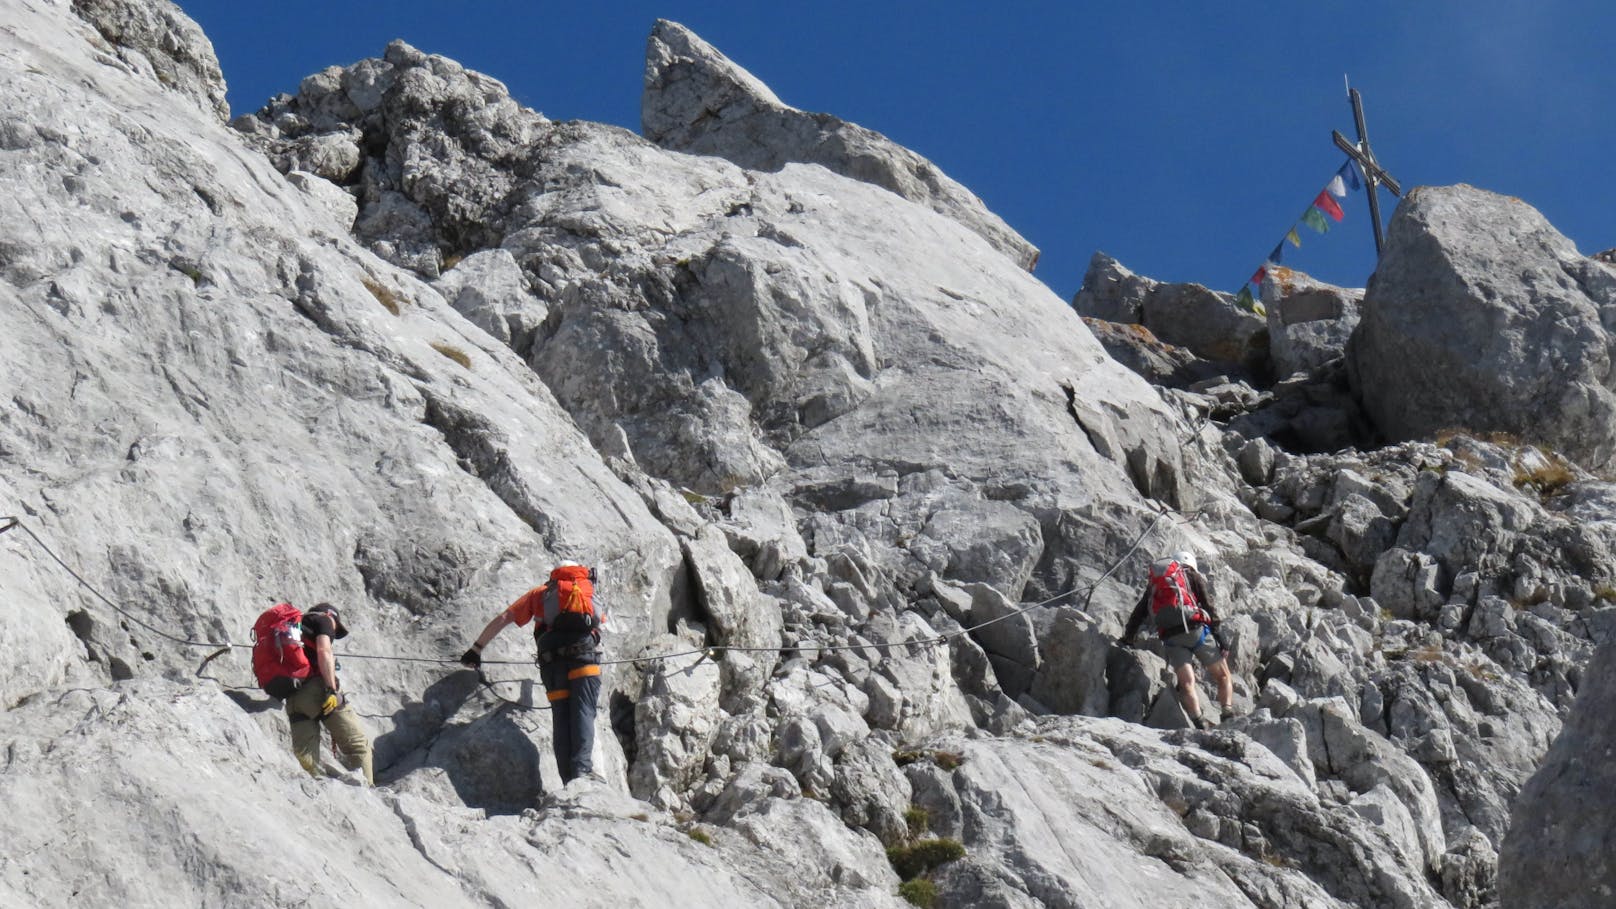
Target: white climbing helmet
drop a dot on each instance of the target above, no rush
(1185, 557)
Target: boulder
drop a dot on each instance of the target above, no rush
(1309, 322)
(675, 722)
(1073, 651)
(1158, 362)
(489, 288)
(1205, 322)
(1011, 641)
(1482, 316)
(740, 614)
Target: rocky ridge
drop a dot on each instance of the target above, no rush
(696, 100)
(397, 342)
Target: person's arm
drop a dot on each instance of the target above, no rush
(490, 631)
(325, 662)
(1203, 591)
(1137, 618)
(518, 613)
(1203, 594)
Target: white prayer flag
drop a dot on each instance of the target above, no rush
(1337, 187)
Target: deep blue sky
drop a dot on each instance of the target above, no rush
(1183, 138)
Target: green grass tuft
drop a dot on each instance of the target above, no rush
(917, 819)
(918, 858)
(919, 892)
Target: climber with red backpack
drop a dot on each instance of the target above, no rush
(293, 661)
(1179, 603)
(567, 631)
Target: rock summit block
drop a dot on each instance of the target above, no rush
(1483, 317)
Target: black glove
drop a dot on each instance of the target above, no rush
(472, 658)
(1125, 642)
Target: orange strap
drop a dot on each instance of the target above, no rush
(558, 695)
(582, 671)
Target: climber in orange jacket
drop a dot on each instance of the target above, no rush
(567, 631)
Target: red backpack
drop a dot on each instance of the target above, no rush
(279, 660)
(1173, 606)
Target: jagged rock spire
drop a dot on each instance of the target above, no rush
(697, 100)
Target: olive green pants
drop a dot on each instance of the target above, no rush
(347, 733)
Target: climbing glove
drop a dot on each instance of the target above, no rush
(332, 703)
(472, 658)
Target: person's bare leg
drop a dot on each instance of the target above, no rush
(1187, 695)
(1220, 674)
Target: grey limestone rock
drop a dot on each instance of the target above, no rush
(1558, 851)
(1482, 316)
(676, 720)
(697, 100)
(489, 288)
(1159, 362)
(776, 407)
(155, 39)
(334, 199)
(1224, 815)
(1309, 322)
(1186, 315)
(1074, 649)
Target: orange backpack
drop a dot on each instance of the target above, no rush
(569, 600)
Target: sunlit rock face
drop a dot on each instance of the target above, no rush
(399, 343)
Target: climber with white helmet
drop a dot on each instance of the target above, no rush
(1179, 602)
(567, 631)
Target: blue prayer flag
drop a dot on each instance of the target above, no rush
(1350, 171)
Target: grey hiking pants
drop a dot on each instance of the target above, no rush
(573, 688)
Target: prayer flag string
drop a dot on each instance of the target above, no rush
(1324, 204)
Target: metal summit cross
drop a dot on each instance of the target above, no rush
(1374, 174)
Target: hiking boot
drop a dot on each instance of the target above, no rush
(1202, 723)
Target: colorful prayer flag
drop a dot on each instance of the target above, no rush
(1350, 171)
(1337, 187)
(1291, 236)
(1329, 206)
(1245, 300)
(1278, 255)
(1258, 275)
(1315, 219)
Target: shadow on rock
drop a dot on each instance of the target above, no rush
(492, 762)
(245, 699)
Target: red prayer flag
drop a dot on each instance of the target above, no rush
(1329, 205)
(1257, 278)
